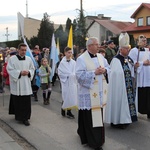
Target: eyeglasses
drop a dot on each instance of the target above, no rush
(142, 37)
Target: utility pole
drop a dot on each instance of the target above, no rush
(26, 8)
(81, 8)
(81, 30)
(7, 34)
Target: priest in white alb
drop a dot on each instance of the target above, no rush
(21, 72)
(121, 105)
(91, 72)
(141, 55)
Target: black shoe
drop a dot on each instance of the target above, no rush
(2, 91)
(123, 126)
(120, 126)
(114, 125)
(70, 115)
(26, 123)
(32, 95)
(148, 116)
(98, 148)
(36, 98)
(48, 102)
(63, 113)
(45, 102)
(53, 84)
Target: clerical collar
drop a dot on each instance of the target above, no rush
(92, 55)
(20, 57)
(124, 59)
(68, 60)
(142, 49)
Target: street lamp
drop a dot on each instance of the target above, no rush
(7, 34)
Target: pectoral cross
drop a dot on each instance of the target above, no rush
(94, 95)
(96, 81)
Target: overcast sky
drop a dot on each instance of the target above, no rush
(60, 10)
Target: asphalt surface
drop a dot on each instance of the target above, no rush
(50, 131)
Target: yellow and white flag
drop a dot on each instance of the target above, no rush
(70, 38)
(57, 45)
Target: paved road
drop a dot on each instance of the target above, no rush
(50, 131)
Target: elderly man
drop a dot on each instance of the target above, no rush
(121, 107)
(91, 70)
(21, 72)
(141, 55)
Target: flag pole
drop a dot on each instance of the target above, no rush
(53, 56)
(2, 84)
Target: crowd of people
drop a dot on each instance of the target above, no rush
(105, 83)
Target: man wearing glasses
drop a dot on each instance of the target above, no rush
(91, 70)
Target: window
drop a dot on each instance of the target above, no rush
(140, 22)
(148, 21)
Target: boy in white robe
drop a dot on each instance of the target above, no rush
(66, 72)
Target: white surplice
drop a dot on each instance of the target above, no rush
(143, 72)
(86, 81)
(66, 72)
(117, 108)
(20, 86)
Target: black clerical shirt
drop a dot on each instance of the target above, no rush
(92, 55)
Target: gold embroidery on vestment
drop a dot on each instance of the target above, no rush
(105, 91)
(96, 108)
(96, 81)
(94, 95)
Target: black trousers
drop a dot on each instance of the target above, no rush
(20, 106)
(94, 137)
(144, 100)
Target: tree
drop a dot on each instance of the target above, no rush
(33, 41)
(74, 26)
(59, 33)
(45, 32)
(80, 30)
(68, 25)
(63, 35)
